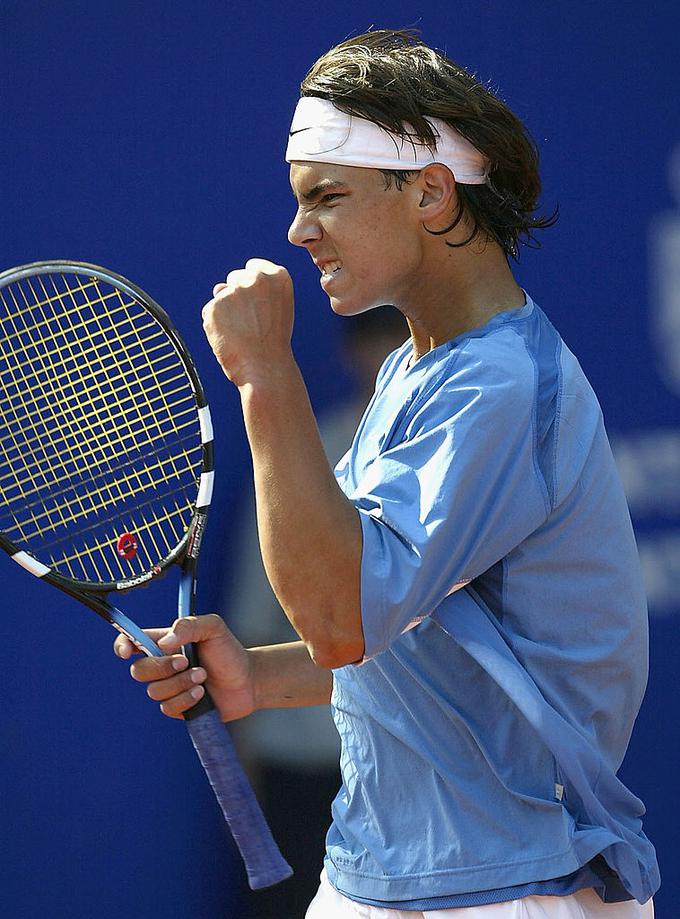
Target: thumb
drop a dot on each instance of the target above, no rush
(191, 629)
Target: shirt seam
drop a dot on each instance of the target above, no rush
(534, 426)
(451, 871)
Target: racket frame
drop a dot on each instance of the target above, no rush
(263, 861)
(190, 542)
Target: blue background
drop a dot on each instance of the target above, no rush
(148, 137)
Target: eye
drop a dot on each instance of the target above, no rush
(327, 199)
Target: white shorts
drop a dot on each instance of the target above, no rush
(329, 904)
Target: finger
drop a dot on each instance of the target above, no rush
(124, 648)
(147, 669)
(191, 629)
(239, 277)
(218, 287)
(263, 265)
(163, 690)
(174, 708)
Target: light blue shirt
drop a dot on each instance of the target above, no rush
(505, 626)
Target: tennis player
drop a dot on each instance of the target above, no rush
(466, 584)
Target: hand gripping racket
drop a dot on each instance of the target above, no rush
(106, 473)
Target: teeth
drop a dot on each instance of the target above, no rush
(330, 267)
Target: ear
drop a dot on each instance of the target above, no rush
(436, 188)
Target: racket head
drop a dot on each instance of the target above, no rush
(106, 461)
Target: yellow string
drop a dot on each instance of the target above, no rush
(72, 375)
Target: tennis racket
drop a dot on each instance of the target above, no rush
(106, 474)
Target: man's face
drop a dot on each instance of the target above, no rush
(363, 238)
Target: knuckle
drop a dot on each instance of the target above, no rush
(179, 626)
(182, 630)
(250, 281)
(188, 627)
(264, 266)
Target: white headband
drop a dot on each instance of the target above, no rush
(321, 133)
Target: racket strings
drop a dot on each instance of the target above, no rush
(143, 525)
(118, 422)
(105, 374)
(40, 515)
(89, 480)
(32, 442)
(97, 429)
(104, 533)
(39, 400)
(7, 328)
(169, 414)
(153, 414)
(101, 434)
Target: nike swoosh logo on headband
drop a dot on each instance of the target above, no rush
(298, 131)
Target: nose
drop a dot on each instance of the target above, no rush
(304, 229)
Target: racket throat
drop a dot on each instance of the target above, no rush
(131, 630)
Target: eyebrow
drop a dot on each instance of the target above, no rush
(316, 190)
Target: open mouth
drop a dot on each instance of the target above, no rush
(330, 268)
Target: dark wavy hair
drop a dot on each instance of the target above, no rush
(393, 79)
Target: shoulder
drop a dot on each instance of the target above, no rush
(495, 369)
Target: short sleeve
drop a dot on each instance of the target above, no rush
(452, 493)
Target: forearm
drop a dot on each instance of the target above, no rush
(310, 533)
(285, 676)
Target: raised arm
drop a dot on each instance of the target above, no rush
(310, 533)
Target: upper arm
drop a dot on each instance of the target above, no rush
(452, 493)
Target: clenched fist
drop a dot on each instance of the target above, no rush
(249, 321)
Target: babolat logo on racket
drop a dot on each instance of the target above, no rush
(133, 582)
(127, 546)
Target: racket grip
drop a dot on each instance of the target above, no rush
(263, 861)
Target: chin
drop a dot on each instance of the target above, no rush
(349, 308)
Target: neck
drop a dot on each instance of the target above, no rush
(463, 289)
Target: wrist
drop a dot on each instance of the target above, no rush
(268, 376)
(254, 657)
(284, 676)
